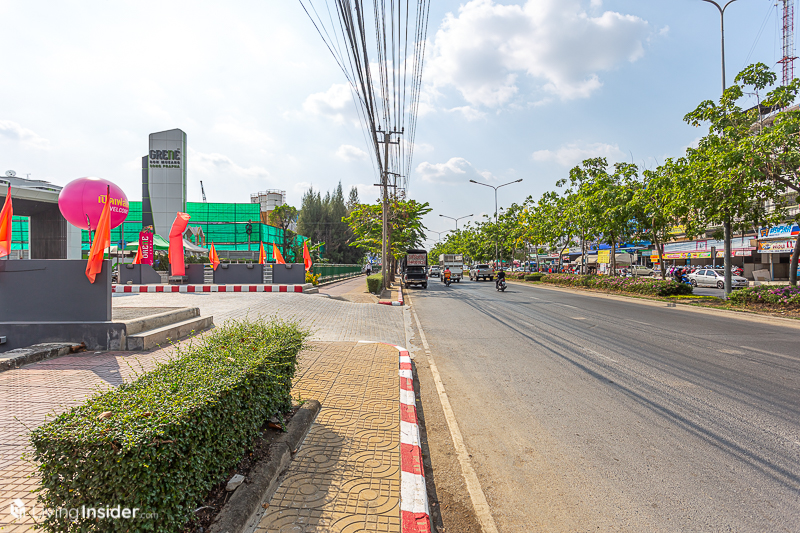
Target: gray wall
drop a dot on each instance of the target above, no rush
(138, 275)
(289, 274)
(231, 273)
(53, 290)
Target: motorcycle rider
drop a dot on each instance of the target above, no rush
(501, 275)
(446, 275)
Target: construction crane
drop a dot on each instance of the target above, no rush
(788, 41)
(202, 190)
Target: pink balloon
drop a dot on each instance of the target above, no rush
(87, 196)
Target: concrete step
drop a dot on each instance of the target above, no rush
(145, 323)
(162, 336)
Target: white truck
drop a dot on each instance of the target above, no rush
(455, 262)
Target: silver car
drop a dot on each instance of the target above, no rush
(707, 277)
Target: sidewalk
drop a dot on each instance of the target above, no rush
(27, 394)
(346, 476)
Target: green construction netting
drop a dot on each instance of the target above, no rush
(19, 233)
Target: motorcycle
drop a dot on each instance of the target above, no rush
(501, 285)
(447, 282)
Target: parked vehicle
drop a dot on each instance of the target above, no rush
(433, 271)
(715, 278)
(455, 262)
(481, 272)
(414, 268)
(638, 271)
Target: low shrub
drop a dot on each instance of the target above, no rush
(312, 278)
(648, 286)
(535, 276)
(160, 443)
(784, 295)
(374, 283)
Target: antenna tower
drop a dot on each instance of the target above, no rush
(788, 42)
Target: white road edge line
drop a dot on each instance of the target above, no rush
(770, 353)
(476, 493)
(599, 355)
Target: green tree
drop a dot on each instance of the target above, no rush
(282, 217)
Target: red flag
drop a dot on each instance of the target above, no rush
(306, 256)
(213, 257)
(102, 240)
(262, 255)
(277, 255)
(5, 225)
(176, 263)
(138, 259)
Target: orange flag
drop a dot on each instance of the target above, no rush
(5, 225)
(138, 259)
(177, 266)
(213, 257)
(277, 255)
(102, 240)
(262, 255)
(306, 256)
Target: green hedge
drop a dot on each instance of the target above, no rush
(778, 295)
(161, 442)
(534, 276)
(374, 283)
(649, 286)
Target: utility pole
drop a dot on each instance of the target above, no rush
(387, 136)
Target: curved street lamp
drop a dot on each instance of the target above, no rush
(495, 207)
(456, 219)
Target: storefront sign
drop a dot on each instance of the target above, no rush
(779, 232)
(776, 247)
(604, 256)
(146, 247)
(735, 253)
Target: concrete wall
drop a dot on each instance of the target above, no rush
(53, 290)
(289, 274)
(138, 275)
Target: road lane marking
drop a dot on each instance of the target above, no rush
(570, 306)
(642, 323)
(770, 353)
(587, 350)
(476, 494)
(578, 318)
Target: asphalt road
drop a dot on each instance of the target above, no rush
(590, 413)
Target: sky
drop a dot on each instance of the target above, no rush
(511, 90)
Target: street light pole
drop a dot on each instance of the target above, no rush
(495, 209)
(439, 233)
(726, 225)
(456, 219)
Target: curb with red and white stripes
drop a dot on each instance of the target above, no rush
(399, 298)
(209, 288)
(414, 511)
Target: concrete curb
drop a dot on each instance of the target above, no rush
(399, 301)
(415, 516)
(303, 288)
(38, 352)
(243, 511)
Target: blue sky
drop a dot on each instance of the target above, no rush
(512, 90)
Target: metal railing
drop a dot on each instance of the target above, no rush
(335, 272)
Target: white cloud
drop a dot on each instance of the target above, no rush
(485, 50)
(469, 113)
(15, 132)
(335, 103)
(349, 153)
(573, 154)
(456, 169)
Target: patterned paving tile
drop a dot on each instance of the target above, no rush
(346, 476)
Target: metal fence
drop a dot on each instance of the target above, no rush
(335, 272)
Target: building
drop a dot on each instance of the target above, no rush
(39, 231)
(164, 180)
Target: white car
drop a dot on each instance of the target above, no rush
(638, 271)
(707, 277)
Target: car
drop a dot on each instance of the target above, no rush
(434, 271)
(481, 271)
(707, 277)
(638, 271)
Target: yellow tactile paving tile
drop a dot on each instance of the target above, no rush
(346, 476)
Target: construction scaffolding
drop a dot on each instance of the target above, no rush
(224, 224)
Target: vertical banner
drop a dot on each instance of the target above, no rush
(146, 247)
